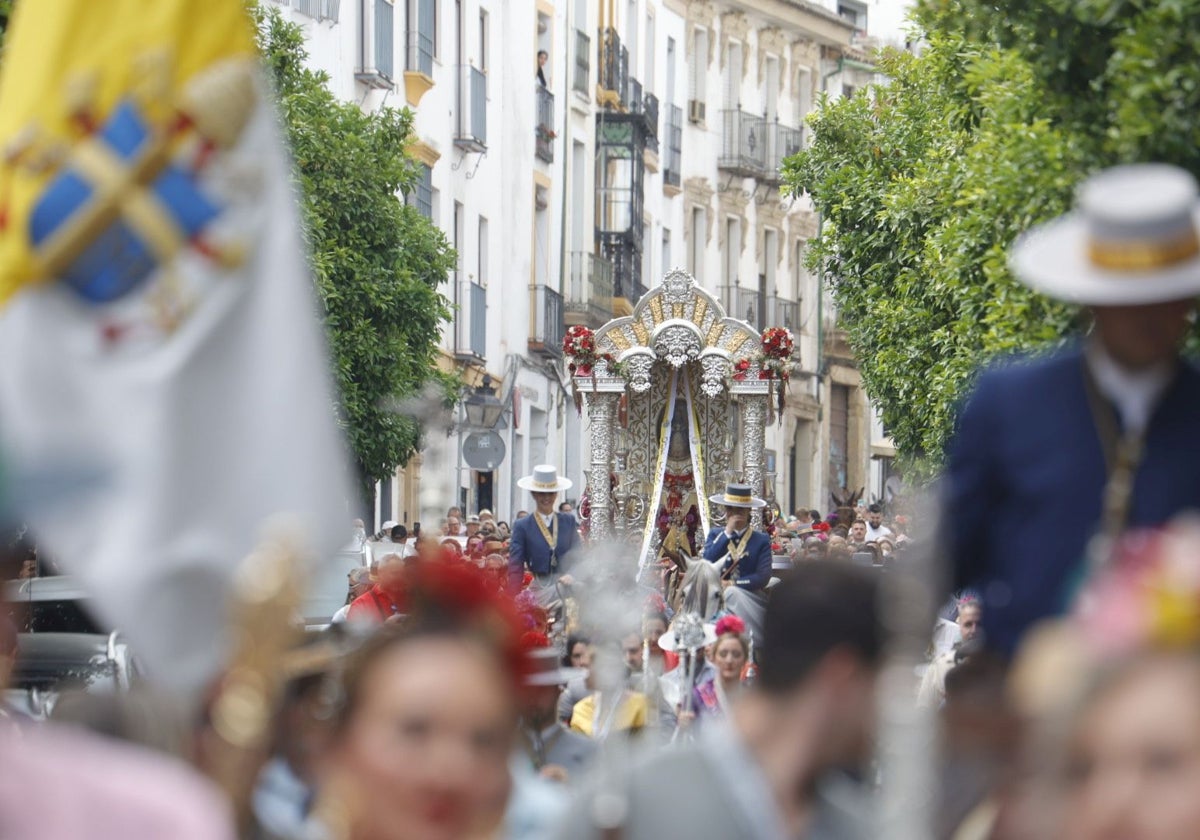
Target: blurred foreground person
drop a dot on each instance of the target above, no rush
(771, 771)
(1132, 766)
(1100, 437)
(61, 783)
(553, 749)
(428, 717)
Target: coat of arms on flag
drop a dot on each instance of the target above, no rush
(158, 323)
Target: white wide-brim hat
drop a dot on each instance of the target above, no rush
(545, 479)
(1132, 240)
(737, 495)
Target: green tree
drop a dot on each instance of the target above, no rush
(378, 263)
(923, 182)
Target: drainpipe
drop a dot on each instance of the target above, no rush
(841, 65)
(568, 67)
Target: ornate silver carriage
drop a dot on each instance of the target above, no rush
(678, 406)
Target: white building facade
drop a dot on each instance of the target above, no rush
(655, 142)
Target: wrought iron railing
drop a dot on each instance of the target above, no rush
(548, 324)
(646, 104)
(673, 165)
(745, 143)
(544, 133)
(746, 304)
(472, 110)
(590, 287)
(782, 312)
(784, 142)
(583, 63)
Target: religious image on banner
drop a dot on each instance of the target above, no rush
(158, 322)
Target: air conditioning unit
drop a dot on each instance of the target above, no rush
(695, 111)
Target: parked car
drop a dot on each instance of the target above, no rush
(57, 604)
(329, 584)
(49, 664)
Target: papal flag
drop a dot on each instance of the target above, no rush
(159, 333)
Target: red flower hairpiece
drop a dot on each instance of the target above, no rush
(730, 624)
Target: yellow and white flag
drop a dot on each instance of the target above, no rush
(158, 323)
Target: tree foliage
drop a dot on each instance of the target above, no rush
(923, 182)
(378, 263)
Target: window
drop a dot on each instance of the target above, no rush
(666, 251)
(421, 196)
(422, 41)
(770, 260)
(696, 245)
(481, 271)
(698, 65)
(853, 12)
(733, 75)
(771, 93)
(631, 37)
(733, 248)
(669, 91)
(647, 258)
(803, 94)
(484, 47)
(648, 73)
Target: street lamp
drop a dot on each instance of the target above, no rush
(482, 408)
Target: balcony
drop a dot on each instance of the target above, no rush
(546, 321)
(470, 322)
(673, 170)
(582, 78)
(645, 104)
(614, 70)
(782, 312)
(471, 135)
(783, 143)
(745, 142)
(544, 133)
(589, 290)
(746, 304)
(376, 68)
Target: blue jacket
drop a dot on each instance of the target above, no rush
(528, 548)
(754, 571)
(1025, 478)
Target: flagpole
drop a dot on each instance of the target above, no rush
(266, 595)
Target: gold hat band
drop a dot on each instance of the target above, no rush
(548, 485)
(1141, 256)
(745, 500)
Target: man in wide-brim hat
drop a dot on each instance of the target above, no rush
(744, 555)
(1100, 437)
(543, 542)
(547, 742)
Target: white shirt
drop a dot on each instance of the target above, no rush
(877, 534)
(1134, 393)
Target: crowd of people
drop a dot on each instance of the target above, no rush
(520, 681)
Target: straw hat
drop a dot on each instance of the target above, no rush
(1132, 240)
(545, 479)
(737, 495)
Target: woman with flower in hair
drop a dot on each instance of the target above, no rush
(730, 654)
(427, 721)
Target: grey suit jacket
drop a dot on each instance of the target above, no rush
(708, 790)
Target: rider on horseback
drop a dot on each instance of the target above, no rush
(742, 554)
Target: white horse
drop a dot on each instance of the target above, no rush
(701, 588)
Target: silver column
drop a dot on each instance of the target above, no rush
(602, 410)
(754, 433)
